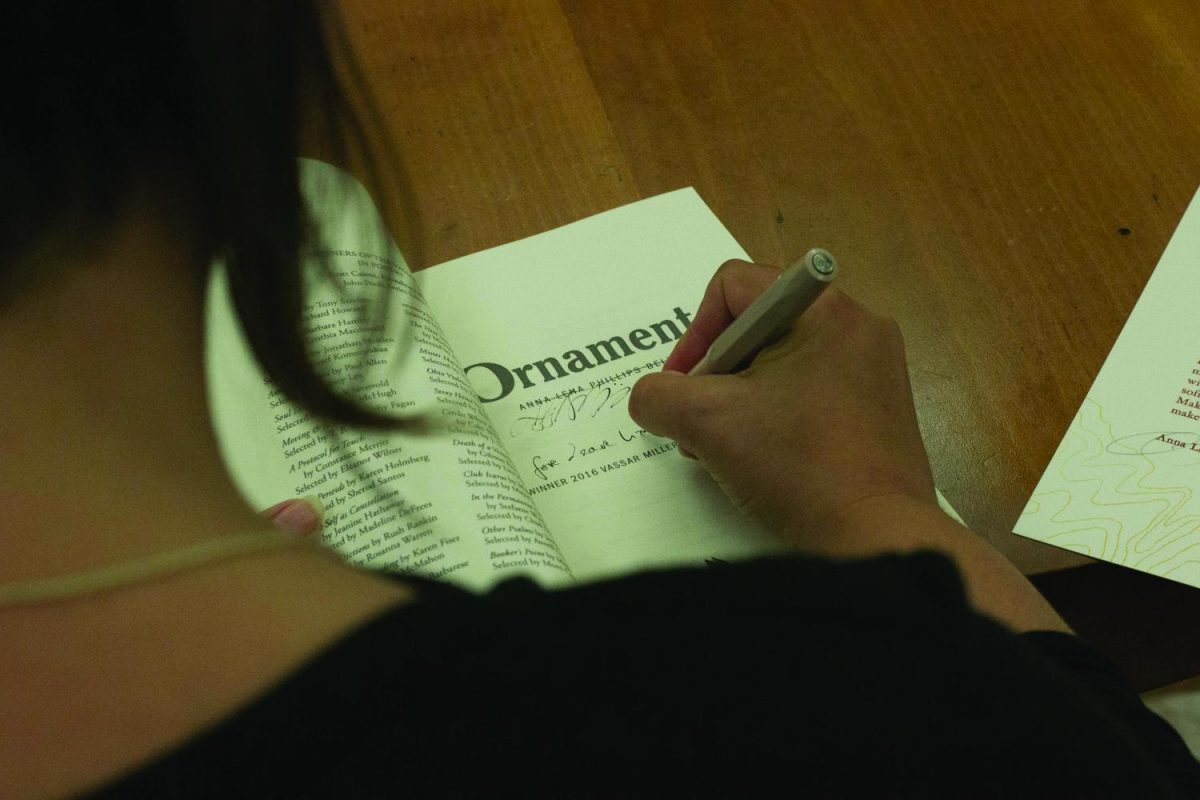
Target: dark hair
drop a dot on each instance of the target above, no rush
(204, 96)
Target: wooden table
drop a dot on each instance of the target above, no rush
(1000, 176)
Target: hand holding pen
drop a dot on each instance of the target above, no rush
(820, 419)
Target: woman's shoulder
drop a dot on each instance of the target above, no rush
(96, 687)
(766, 671)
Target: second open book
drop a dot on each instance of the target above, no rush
(526, 354)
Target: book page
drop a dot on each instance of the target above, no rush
(1124, 484)
(553, 331)
(447, 504)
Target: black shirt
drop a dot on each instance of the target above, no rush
(779, 677)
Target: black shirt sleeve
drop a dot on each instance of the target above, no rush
(775, 677)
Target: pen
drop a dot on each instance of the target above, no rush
(770, 315)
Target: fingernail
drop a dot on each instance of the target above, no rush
(318, 507)
(298, 516)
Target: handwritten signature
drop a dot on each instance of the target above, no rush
(571, 407)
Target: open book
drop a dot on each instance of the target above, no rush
(525, 354)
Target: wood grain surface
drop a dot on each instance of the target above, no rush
(1001, 177)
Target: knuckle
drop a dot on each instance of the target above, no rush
(887, 332)
(854, 319)
(834, 305)
(893, 332)
(727, 275)
(730, 265)
(853, 311)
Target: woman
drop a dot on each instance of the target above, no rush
(896, 653)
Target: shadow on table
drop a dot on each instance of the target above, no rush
(1148, 627)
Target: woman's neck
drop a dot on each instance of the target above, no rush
(106, 449)
(107, 454)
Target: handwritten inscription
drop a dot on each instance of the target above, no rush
(576, 406)
(543, 464)
(570, 462)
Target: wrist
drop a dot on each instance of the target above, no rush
(893, 522)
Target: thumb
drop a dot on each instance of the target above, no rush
(664, 404)
(303, 516)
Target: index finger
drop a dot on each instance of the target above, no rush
(733, 287)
